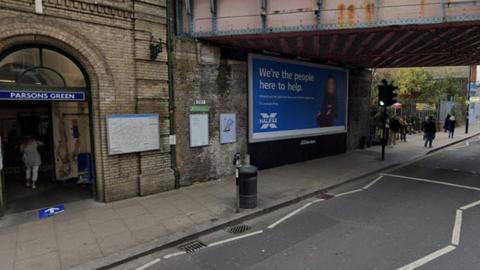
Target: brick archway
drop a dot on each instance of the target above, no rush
(31, 30)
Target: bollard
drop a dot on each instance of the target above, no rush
(236, 162)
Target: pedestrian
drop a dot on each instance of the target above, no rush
(430, 130)
(394, 125)
(446, 123)
(451, 126)
(424, 125)
(403, 129)
(31, 159)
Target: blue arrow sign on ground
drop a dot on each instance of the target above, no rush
(50, 211)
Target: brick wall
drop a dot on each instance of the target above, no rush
(114, 50)
(202, 71)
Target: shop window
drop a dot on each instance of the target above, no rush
(36, 67)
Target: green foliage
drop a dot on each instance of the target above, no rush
(419, 85)
(416, 84)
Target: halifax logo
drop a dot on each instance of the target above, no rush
(268, 120)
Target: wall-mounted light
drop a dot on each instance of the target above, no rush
(155, 48)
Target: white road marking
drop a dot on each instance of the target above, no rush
(289, 216)
(234, 238)
(470, 205)
(430, 257)
(457, 228)
(147, 265)
(174, 254)
(318, 200)
(349, 192)
(432, 181)
(373, 182)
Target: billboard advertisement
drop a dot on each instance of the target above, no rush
(294, 99)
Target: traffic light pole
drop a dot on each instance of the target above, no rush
(384, 139)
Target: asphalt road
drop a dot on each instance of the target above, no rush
(420, 216)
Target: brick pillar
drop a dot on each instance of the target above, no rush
(152, 92)
(358, 105)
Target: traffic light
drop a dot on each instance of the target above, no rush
(386, 94)
(391, 95)
(382, 95)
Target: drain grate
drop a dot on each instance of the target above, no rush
(240, 228)
(191, 247)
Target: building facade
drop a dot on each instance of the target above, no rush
(117, 51)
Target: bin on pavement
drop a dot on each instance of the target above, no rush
(247, 177)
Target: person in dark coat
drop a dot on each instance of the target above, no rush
(394, 125)
(446, 124)
(329, 111)
(430, 131)
(451, 126)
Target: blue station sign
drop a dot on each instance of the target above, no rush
(41, 95)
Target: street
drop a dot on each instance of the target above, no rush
(420, 216)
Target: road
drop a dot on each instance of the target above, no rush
(421, 216)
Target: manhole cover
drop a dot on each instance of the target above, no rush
(193, 246)
(240, 228)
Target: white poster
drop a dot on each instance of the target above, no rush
(130, 133)
(199, 130)
(228, 130)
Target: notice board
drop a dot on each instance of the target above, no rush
(130, 133)
(228, 132)
(199, 129)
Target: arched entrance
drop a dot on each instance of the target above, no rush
(44, 95)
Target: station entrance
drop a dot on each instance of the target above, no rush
(44, 129)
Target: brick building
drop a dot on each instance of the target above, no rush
(109, 42)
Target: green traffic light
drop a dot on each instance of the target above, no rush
(381, 103)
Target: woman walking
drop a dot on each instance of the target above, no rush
(31, 159)
(430, 130)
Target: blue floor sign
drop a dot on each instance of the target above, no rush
(50, 211)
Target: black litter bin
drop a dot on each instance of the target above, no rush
(247, 176)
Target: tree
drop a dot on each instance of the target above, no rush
(450, 87)
(416, 84)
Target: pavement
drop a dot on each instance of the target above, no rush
(422, 215)
(93, 235)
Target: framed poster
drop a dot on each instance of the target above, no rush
(130, 133)
(228, 128)
(294, 99)
(199, 129)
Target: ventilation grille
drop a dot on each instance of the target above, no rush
(240, 228)
(191, 247)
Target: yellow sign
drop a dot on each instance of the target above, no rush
(424, 107)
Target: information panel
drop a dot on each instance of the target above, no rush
(130, 133)
(294, 99)
(228, 129)
(199, 129)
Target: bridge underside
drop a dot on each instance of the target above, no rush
(446, 44)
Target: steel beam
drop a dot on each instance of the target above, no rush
(348, 44)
